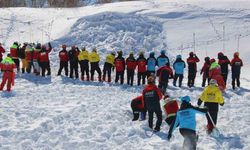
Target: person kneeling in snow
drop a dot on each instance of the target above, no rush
(7, 67)
(185, 117)
(170, 107)
(212, 97)
(137, 107)
(151, 97)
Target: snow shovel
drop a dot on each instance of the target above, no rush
(215, 132)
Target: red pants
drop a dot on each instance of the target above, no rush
(7, 76)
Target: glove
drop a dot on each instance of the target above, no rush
(169, 136)
(222, 104)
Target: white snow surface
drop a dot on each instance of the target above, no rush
(60, 113)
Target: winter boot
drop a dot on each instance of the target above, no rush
(82, 78)
(143, 117)
(109, 79)
(92, 78)
(23, 70)
(100, 79)
(87, 78)
(103, 78)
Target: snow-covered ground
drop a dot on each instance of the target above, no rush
(60, 113)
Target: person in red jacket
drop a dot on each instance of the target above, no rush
(192, 68)
(236, 64)
(2, 50)
(224, 62)
(14, 53)
(151, 102)
(215, 73)
(7, 67)
(142, 69)
(64, 58)
(205, 71)
(119, 67)
(170, 107)
(44, 59)
(131, 65)
(165, 73)
(137, 108)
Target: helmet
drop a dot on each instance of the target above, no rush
(212, 60)
(178, 56)
(15, 43)
(163, 52)
(113, 53)
(64, 46)
(43, 47)
(141, 53)
(212, 82)
(131, 53)
(191, 54)
(94, 49)
(236, 54)
(207, 59)
(83, 49)
(120, 52)
(151, 80)
(220, 54)
(152, 54)
(185, 99)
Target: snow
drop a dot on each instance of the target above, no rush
(60, 113)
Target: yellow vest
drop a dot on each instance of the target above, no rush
(94, 57)
(83, 55)
(213, 94)
(110, 59)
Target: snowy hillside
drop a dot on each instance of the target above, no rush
(60, 113)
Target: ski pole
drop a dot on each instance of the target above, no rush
(211, 119)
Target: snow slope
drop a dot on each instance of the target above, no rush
(60, 113)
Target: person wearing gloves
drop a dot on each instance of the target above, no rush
(186, 118)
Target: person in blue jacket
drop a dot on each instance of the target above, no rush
(162, 59)
(185, 117)
(178, 66)
(151, 63)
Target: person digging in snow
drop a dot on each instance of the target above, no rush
(170, 107)
(138, 108)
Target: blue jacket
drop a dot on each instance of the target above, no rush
(151, 63)
(162, 60)
(179, 66)
(185, 117)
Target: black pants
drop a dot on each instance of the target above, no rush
(176, 76)
(73, 68)
(119, 75)
(151, 117)
(224, 75)
(107, 68)
(235, 77)
(204, 79)
(141, 76)
(169, 120)
(17, 62)
(45, 66)
(95, 67)
(30, 65)
(191, 78)
(190, 139)
(130, 77)
(84, 65)
(63, 65)
(163, 87)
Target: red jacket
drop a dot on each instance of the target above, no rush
(2, 50)
(13, 53)
(137, 102)
(168, 70)
(171, 108)
(192, 63)
(63, 55)
(29, 56)
(119, 64)
(36, 54)
(205, 69)
(214, 72)
(131, 63)
(151, 87)
(141, 63)
(7, 67)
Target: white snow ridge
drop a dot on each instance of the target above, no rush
(56, 112)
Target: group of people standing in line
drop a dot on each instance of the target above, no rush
(36, 57)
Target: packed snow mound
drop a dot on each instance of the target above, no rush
(116, 31)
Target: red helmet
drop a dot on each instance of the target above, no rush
(212, 60)
(236, 54)
(43, 46)
(64, 46)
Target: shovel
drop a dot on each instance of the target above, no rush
(215, 132)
